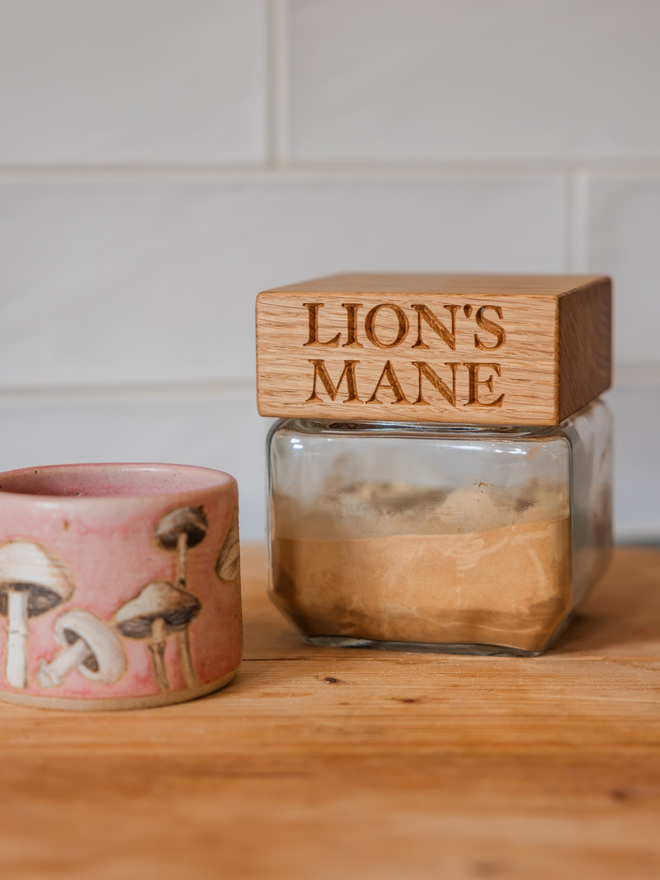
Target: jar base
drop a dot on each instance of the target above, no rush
(421, 647)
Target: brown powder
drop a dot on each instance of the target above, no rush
(381, 561)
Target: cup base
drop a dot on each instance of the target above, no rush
(111, 704)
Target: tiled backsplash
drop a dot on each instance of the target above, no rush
(437, 80)
(161, 162)
(87, 82)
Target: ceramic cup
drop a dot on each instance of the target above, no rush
(119, 585)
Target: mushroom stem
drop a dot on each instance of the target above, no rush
(18, 636)
(187, 665)
(157, 649)
(53, 674)
(181, 560)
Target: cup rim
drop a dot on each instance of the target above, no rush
(217, 480)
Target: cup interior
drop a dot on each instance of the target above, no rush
(111, 480)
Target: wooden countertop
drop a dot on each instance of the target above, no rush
(326, 763)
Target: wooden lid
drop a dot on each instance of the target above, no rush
(461, 349)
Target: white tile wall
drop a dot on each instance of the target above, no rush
(636, 485)
(473, 79)
(155, 281)
(137, 81)
(161, 161)
(212, 427)
(624, 231)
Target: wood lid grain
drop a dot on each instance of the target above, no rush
(461, 349)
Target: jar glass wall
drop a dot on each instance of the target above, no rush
(438, 537)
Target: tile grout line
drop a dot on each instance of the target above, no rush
(276, 68)
(279, 168)
(628, 374)
(270, 90)
(569, 224)
(577, 220)
(108, 392)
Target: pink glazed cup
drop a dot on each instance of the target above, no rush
(119, 585)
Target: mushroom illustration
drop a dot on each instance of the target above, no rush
(32, 581)
(158, 610)
(179, 530)
(89, 645)
(229, 559)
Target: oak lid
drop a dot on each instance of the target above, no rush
(462, 349)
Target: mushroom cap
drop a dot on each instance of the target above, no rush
(229, 558)
(189, 520)
(159, 599)
(107, 662)
(26, 566)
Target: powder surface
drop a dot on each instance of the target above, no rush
(399, 563)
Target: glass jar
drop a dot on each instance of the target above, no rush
(436, 537)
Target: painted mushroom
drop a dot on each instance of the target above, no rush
(158, 610)
(179, 530)
(89, 645)
(228, 564)
(32, 581)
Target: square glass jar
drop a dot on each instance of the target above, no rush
(438, 537)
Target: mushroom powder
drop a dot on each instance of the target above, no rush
(396, 562)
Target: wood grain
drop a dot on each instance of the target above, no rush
(463, 349)
(585, 346)
(319, 763)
